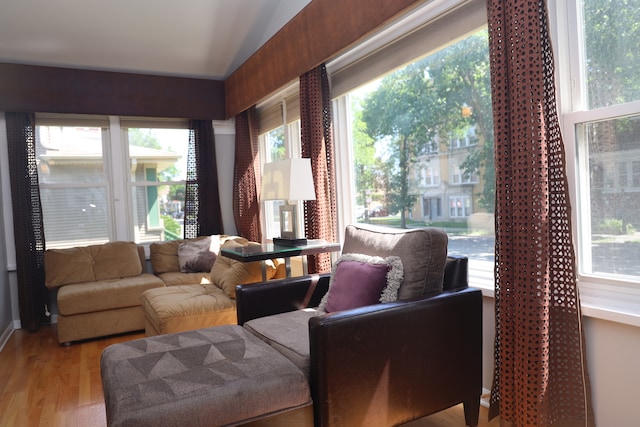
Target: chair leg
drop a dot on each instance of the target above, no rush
(471, 411)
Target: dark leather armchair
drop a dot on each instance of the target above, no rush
(385, 364)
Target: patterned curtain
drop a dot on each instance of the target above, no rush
(202, 213)
(317, 144)
(540, 376)
(28, 227)
(246, 176)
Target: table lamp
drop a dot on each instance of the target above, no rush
(289, 180)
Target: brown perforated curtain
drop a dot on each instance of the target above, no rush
(202, 213)
(317, 144)
(246, 176)
(28, 226)
(540, 376)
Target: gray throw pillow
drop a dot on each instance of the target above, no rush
(196, 256)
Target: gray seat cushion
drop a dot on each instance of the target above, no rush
(210, 377)
(286, 332)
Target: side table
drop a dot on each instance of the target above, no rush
(269, 251)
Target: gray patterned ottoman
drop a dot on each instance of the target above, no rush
(218, 376)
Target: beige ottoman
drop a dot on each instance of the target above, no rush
(186, 307)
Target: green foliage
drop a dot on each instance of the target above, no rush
(141, 137)
(177, 192)
(366, 164)
(615, 226)
(171, 225)
(612, 39)
(276, 143)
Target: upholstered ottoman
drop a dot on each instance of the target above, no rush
(219, 376)
(186, 307)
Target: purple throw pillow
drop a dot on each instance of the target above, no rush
(356, 284)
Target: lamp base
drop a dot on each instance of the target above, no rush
(281, 241)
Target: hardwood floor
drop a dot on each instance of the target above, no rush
(45, 384)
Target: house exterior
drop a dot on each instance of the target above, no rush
(444, 191)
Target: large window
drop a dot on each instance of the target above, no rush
(422, 140)
(103, 179)
(602, 131)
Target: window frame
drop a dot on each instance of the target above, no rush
(116, 167)
(610, 298)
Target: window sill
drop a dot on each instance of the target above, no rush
(605, 301)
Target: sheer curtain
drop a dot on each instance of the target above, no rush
(317, 144)
(540, 376)
(246, 202)
(27, 220)
(202, 212)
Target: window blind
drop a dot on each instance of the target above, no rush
(439, 23)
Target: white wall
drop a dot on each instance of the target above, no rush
(225, 157)
(613, 358)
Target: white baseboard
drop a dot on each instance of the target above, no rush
(484, 399)
(6, 334)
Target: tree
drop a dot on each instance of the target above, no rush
(395, 110)
(365, 158)
(143, 138)
(421, 103)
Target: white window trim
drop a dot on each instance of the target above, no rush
(609, 299)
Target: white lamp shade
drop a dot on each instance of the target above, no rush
(288, 179)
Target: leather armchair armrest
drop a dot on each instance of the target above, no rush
(397, 361)
(278, 296)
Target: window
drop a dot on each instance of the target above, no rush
(280, 121)
(105, 179)
(604, 124)
(158, 159)
(74, 188)
(599, 104)
(274, 148)
(459, 175)
(459, 207)
(413, 123)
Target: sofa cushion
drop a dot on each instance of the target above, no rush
(164, 255)
(174, 278)
(198, 255)
(107, 261)
(286, 332)
(423, 252)
(228, 273)
(182, 308)
(101, 295)
(358, 280)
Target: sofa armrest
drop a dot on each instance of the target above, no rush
(278, 296)
(407, 358)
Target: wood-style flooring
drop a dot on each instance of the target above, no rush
(43, 383)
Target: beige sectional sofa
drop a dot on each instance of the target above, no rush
(99, 289)
(104, 289)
